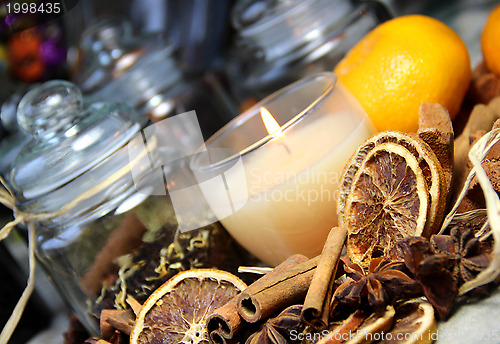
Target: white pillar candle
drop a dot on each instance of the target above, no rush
(288, 204)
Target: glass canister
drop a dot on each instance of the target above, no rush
(144, 72)
(280, 41)
(105, 239)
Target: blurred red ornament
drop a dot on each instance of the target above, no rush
(24, 57)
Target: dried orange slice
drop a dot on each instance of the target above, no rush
(388, 202)
(414, 322)
(374, 326)
(358, 327)
(392, 187)
(176, 312)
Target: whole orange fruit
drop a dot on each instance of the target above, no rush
(490, 41)
(402, 63)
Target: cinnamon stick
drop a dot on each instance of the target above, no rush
(288, 288)
(216, 337)
(225, 322)
(484, 85)
(436, 129)
(481, 119)
(123, 240)
(114, 319)
(316, 308)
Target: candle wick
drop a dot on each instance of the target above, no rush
(280, 137)
(286, 148)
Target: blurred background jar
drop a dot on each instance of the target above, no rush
(280, 41)
(143, 71)
(106, 237)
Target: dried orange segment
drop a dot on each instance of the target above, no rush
(414, 322)
(416, 146)
(388, 201)
(374, 326)
(433, 174)
(358, 328)
(375, 206)
(427, 161)
(350, 170)
(176, 312)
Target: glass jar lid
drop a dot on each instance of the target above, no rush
(277, 29)
(138, 70)
(106, 49)
(68, 138)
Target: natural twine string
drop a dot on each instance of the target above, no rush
(7, 198)
(477, 154)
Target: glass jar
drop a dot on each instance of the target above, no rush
(106, 238)
(279, 42)
(144, 72)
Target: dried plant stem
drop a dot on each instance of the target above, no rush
(254, 270)
(451, 215)
(11, 324)
(477, 154)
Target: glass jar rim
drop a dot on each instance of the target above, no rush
(276, 19)
(255, 109)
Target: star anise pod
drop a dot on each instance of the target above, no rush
(469, 254)
(445, 263)
(277, 330)
(382, 284)
(433, 271)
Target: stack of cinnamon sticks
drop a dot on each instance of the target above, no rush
(291, 282)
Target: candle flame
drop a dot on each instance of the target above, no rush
(272, 126)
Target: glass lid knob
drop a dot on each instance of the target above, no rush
(50, 108)
(106, 34)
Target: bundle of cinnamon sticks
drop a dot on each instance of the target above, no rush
(294, 280)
